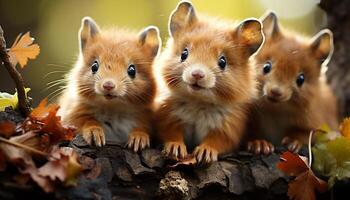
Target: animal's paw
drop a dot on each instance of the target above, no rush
(138, 140)
(94, 135)
(205, 154)
(175, 150)
(260, 147)
(293, 145)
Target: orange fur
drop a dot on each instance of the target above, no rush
(297, 109)
(208, 114)
(123, 113)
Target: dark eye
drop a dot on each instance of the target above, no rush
(300, 79)
(95, 66)
(184, 54)
(132, 71)
(267, 67)
(222, 62)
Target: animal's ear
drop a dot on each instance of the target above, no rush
(88, 30)
(322, 45)
(249, 35)
(270, 24)
(150, 38)
(182, 17)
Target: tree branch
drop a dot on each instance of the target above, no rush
(23, 103)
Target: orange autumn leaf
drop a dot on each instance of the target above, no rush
(303, 186)
(43, 110)
(44, 119)
(23, 49)
(344, 128)
(292, 164)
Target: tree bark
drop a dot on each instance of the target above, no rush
(339, 68)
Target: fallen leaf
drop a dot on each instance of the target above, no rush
(46, 184)
(42, 110)
(292, 164)
(189, 160)
(44, 120)
(62, 165)
(305, 183)
(7, 129)
(303, 186)
(16, 155)
(39, 134)
(23, 49)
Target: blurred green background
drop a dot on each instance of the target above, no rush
(55, 24)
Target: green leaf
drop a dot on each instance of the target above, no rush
(323, 161)
(340, 149)
(332, 159)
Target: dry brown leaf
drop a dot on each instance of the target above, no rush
(15, 155)
(40, 133)
(62, 165)
(303, 186)
(7, 129)
(189, 160)
(23, 49)
(46, 184)
(44, 120)
(305, 183)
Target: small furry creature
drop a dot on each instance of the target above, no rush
(294, 96)
(210, 79)
(111, 88)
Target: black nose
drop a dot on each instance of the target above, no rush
(109, 85)
(275, 92)
(198, 74)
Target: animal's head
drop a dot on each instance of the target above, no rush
(289, 66)
(116, 65)
(209, 59)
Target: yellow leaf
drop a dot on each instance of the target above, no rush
(344, 128)
(8, 100)
(23, 49)
(5, 103)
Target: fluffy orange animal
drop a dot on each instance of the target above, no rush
(294, 96)
(111, 89)
(210, 79)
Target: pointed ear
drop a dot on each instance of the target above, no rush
(249, 35)
(88, 30)
(270, 24)
(322, 45)
(150, 38)
(183, 16)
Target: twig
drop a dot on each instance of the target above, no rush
(309, 146)
(25, 147)
(23, 103)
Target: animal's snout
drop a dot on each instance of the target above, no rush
(198, 74)
(275, 92)
(108, 85)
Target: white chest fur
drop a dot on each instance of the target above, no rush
(117, 124)
(199, 118)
